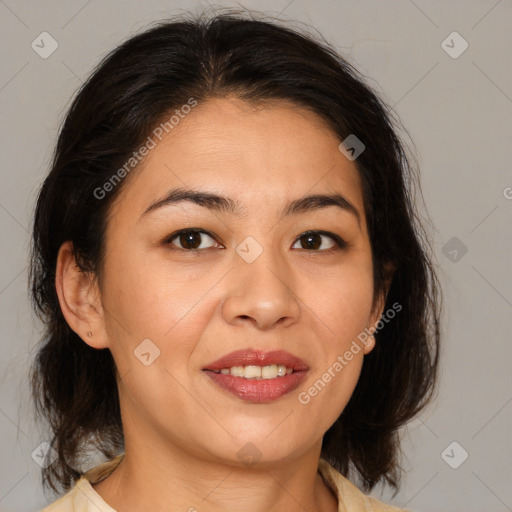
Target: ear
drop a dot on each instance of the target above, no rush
(379, 306)
(79, 299)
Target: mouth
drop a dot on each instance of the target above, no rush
(256, 376)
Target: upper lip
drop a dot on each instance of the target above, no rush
(257, 358)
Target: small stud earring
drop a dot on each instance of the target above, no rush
(89, 334)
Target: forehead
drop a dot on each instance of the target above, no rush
(263, 154)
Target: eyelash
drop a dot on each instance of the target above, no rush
(340, 243)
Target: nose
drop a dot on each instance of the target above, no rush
(262, 293)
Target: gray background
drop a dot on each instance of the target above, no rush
(458, 112)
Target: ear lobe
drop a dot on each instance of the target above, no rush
(79, 299)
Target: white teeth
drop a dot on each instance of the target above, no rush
(237, 371)
(258, 372)
(252, 372)
(270, 372)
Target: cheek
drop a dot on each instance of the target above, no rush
(328, 392)
(344, 302)
(156, 322)
(149, 301)
(344, 306)
(150, 297)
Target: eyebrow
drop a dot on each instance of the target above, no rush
(224, 204)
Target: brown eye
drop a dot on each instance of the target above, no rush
(312, 241)
(189, 239)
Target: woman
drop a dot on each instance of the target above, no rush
(239, 302)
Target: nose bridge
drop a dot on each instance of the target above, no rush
(263, 288)
(267, 272)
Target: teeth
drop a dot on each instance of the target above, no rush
(258, 372)
(270, 372)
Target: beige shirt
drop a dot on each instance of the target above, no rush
(83, 498)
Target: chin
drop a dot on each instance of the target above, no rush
(262, 447)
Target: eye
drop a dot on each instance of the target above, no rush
(312, 241)
(190, 239)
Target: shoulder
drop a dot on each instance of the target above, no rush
(64, 503)
(81, 498)
(350, 498)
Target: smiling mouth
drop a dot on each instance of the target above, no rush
(257, 376)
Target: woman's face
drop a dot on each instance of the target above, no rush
(254, 282)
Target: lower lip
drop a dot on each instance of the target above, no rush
(258, 390)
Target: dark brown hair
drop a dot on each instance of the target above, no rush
(128, 94)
